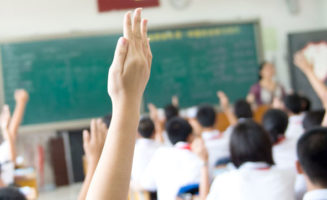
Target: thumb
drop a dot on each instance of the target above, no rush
(120, 53)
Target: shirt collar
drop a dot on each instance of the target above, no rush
(316, 195)
(254, 165)
(145, 141)
(208, 135)
(183, 145)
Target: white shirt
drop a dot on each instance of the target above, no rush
(144, 150)
(284, 154)
(316, 195)
(7, 167)
(253, 181)
(217, 146)
(170, 169)
(295, 127)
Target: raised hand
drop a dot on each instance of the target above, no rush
(199, 148)
(175, 101)
(302, 63)
(130, 69)
(21, 96)
(224, 101)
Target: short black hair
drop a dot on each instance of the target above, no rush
(107, 120)
(293, 103)
(146, 127)
(170, 111)
(178, 130)
(312, 154)
(242, 109)
(206, 116)
(250, 143)
(11, 193)
(275, 122)
(313, 119)
(305, 103)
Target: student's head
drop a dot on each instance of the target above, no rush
(146, 128)
(275, 122)
(266, 70)
(312, 155)
(242, 109)
(170, 111)
(305, 104)
(250, 143)
(313, 119)
(293, 103)
(107, 120)
(206, 116)
(179, 130)
(11, 193)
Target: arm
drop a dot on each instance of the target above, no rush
(157, 123)
(93, 145)
(128, 76)
(21, 97)
(8, 137)
(224, 103)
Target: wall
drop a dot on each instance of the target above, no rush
(21, 18)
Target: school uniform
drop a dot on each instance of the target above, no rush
(143, 153)
(217, 146)
(7, 168)
(316, 195)
(284, 153)
(170, 169)
(253, 180)
(295, 127)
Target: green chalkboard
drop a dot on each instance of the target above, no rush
(194, 62)
(67, 77)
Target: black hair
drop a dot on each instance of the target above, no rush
(242, 109)
(313, 119)
(250, 143)
(178, 130)
(107, 120)
(312, 154)
(146, 127)
(171, 111)
(275, 122)
(206, 116)
(261, 66)
(305, 103)
(11, 193)
(293, 103)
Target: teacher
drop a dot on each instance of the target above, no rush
(266, 89)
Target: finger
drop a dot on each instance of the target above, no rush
(144, 30)
(137, 25)
(120, 54)
(128, 26)
(93, 129)
(86, 137)
(149, 54)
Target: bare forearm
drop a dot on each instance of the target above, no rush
(230, 116)
(205, 184)
(117, 155)
(17, 118)
(87, 182)
(318, 85)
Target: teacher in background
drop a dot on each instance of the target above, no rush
(266, 89)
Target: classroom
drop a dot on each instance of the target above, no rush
(163, 99)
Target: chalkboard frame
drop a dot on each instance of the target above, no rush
(82, 123)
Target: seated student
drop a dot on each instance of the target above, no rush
(313, 119)
(312, 151)
(305, 104)
(216, 144)
(275, 122)
(173, 167)
(293, 106)
(145, 148)
(255, 176)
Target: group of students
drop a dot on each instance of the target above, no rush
(177, 157)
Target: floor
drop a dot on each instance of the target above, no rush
(62, 193)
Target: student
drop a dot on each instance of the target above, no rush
(267, 88)
(293, 106)
(145, 148)
(313, 119)
(93, 142)
(312, 151)
(306, 104)
(275, 122)
(128, 77)
(255, 176)
(173, 167)
(216, 144)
